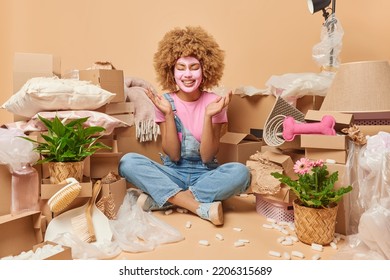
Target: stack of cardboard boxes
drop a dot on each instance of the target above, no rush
(25, 231)
(247, 117)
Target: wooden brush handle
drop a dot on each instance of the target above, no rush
(88, 212)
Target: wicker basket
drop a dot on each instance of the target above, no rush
(59, 171)
(279, 211)
(315, 225)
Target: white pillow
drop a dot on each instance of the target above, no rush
(51, 93)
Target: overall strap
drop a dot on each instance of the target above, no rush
(170, 99)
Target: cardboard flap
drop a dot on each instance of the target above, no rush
(236, 138)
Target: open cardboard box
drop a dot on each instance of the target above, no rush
(30, 65)
(343, 120)
(108, 79)
(249, 113)
(20, 232)
(66, 254)
(340, 156)
(237, 147)
(105, 161)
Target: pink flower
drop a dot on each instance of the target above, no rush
(302, 166)
(318, 163)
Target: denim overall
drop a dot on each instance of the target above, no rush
(208, 182)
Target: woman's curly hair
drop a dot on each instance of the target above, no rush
(190, 41)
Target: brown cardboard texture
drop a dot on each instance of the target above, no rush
(343, 213)
(343, 120)
(20, 232)
(5, 190)
(105, 161)
(30, 65)
(249, 112)
(66, 254)
(117, 108)
(237, 147)
(309, 102)
(110, 80)
(331, 142)
(127, 142)
(48, 190)
(285, 195)
(284, 161)
(340, 156)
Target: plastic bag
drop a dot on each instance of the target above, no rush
(136, 230)
(88, 251)
(16, 151)
(326, 52)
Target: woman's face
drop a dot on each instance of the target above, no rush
(188, 74)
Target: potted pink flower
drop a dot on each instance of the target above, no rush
(317, 200)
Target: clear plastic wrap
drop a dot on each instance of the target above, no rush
(369, 172)
(137, 231)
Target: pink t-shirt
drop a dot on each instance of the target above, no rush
(191, 114)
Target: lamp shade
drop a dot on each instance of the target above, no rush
(359, 87)
(317, 5)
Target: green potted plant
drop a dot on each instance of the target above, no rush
(66, 145)
(315, 208)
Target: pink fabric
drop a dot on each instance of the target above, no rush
(95, 119)
(192, 113)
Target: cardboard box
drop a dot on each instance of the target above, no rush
(285, 195)
(126, 118)
(20, 232)
(105, 161)
(343, 120)
(331, 142)
(117, 108)
(237, 147)
(66, 254)
(110, 80)
(30, 65)
(5, 190)
(284, 161)
(344, 211)
(48, 190)
(340, 156)
(249, 112)
(127, 142)
(309, 102)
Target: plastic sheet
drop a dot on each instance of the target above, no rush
(369, 172)
(15, 151)
(137, 231)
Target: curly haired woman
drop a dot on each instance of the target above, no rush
(188, 62)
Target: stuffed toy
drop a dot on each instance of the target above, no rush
(291, 128)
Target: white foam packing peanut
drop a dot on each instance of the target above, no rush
(267, 226)
(297, 254)
(168, 212)
(333, 245)
(237, 229)
(204, 242)
(287, 242)
(316, 257)
(244, 240)
(219, 236)
(286, 256)
(317, 247)
(188, 224)
(239, 243)
(274, 253)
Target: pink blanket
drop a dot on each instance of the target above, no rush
(144, 114)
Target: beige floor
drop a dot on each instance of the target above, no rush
(240, 212)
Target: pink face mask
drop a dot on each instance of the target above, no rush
(188, 74)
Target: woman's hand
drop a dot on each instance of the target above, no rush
(159, 101)
(218, 104)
